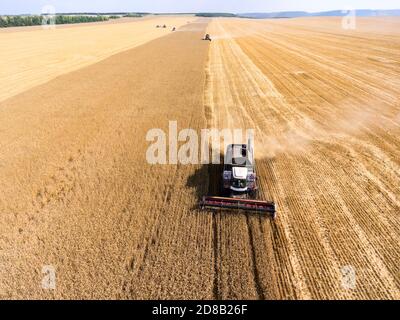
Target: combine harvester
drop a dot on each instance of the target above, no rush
(207, 37)
(239, 184)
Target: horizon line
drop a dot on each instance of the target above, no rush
(195, 12)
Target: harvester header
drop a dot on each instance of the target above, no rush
(211, 202)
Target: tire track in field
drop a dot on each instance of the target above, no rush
(257, 280)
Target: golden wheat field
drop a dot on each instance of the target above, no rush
(31, 56)
(77, 192)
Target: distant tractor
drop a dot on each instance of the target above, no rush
(207, 37)
(239, 183)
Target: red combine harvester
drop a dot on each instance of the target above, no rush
(239, 184)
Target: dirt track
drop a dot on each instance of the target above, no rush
(78, 194)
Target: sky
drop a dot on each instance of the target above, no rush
(233, 6)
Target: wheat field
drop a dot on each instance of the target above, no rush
(77, 192)
(31, 56)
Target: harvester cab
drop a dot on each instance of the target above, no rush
(239, 183)
(239, 175)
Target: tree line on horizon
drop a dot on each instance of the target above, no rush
(35, 20)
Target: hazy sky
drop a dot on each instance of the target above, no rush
(234, 6)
